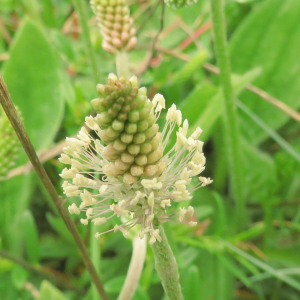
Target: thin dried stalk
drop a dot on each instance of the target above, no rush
(29, 149)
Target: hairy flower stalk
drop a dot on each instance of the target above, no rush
(121, 167)
(116, 26)
(9, 144)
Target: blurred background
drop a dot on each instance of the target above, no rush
(48, 67)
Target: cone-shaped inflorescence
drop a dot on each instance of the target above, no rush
(9, 144)
(116, 26)
(129, 130)
(125, 146)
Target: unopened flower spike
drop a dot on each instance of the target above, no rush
(9, 144)
(115, 23)
(123, 159)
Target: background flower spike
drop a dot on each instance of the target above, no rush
(116, 25)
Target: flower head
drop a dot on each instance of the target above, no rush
(120, 167)
(116, 25)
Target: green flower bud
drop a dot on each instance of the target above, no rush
(127, 122)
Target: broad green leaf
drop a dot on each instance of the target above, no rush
(50, 292)
(5, 265)
(191, 288)
(190, 67)
(6, 287)
(224, 281)
(32, 75)
(269, 38)
(140, 294)
(259, 175)
(30, 234)
(286, 255)
(203, 211)
(48, 13)
(14, 196)
(234, 269)
(214, 107)
(288, 172)
(187, 257)
(32, 8)
(59, 226)
(221, 219)
(208, 272)
(114, 285)
(199, 97)
(53, 247)
(19, 276)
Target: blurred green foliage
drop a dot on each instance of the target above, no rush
(44, 63)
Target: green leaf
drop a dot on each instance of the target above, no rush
(203, 211)
(221, 220)
(200, 96)
(140, 294)
(260, 180)
(32, 75)
(32, 8)
(214, 108)
(30, 234)
(192, 284)
(53, 247)
(233, 268)
(250, 233)
(114, 285)
(60, 227)
(50, 292)
(262, 265)
(187, 257)
(5, 265)
(14, 194)
(19, 276)
(190, 67)
(269, 38)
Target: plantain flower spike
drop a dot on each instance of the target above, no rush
(9, 144)
(120, 166)
(116, 26)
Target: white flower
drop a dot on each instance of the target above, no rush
(125, 161)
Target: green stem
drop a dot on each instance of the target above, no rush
(135, 269)
(19, 128)
(230, 114)
(95, 257)
(122, 62)
(166, 267)
(91, 55)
